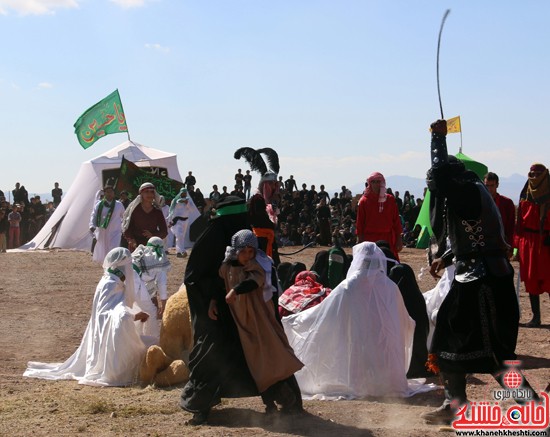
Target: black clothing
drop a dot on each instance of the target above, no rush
(190, 181)
(20, 196)
(56, 196)
(216, 363)
(322, 266)
(290, 185)
(403, 276)
(477, 323)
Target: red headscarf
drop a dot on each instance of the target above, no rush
(382, 193)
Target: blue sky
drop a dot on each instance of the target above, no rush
(339, 88)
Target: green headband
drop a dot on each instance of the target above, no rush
(158, 249)
(232, 209)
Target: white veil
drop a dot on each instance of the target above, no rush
(358, 341)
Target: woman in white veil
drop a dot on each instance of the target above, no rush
(358, 341)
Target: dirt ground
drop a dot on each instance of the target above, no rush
(45, 300)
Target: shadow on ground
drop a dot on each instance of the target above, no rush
(305, 424)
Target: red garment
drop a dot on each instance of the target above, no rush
(534, 256)
(373, 224)
(508, 213)
(140, 221)
(305, 293)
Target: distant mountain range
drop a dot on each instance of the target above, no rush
(510, 186)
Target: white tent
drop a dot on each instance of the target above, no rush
(68, 227)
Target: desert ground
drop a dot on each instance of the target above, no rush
(45, 302)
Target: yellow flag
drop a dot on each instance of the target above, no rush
(453, 125)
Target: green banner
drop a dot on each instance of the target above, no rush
(131, 177)
(105, 117)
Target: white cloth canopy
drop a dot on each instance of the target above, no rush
(111, 350)
(358, 341)
(68, 228)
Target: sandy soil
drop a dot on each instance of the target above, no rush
(45, 300)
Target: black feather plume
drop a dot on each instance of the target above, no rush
(253, 158)
(272, 158)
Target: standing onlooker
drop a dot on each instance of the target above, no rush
(56, 194)
(322, 214)
(238, 191)
(322, 194)
(223, 194)
(533, 238)
(182, 212)
(14, 217)
(49, 210)
(505, 206)
(345, 193)
(143, 218)
(123, 198)
(290, 184)
(20, 194)
(106, 224)
(190, 180)
(4, 229)
(37, 216)
(214, 195)
(200, 203)
(239, 178)
(247, 179)
(399, 201)
(377, 215)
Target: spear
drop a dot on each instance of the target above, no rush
(447, 12)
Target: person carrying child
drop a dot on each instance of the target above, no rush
(270, 358)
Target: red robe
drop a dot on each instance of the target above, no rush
(534, 256)
(508, 213)
(373, 224)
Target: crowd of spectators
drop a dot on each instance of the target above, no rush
(21, 220)
(311, 216)
(306, 216)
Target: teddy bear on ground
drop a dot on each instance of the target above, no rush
(164, 365)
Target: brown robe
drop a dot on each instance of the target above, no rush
(269, 357)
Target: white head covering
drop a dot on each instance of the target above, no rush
(121, 258)
(187, 199)
(134, 203)
(368, 259)
(154, 248)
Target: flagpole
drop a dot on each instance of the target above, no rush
(125, 120)
(460, 139)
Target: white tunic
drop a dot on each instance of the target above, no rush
(107, 238)
(110, 351)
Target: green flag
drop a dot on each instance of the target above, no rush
(131, 176)
(105, 117)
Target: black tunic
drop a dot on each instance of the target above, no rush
(217, 364)
(477, 323)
